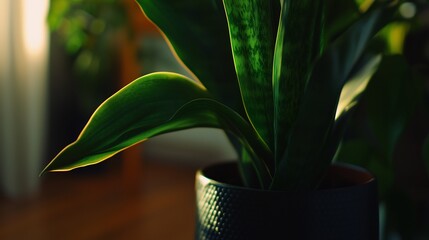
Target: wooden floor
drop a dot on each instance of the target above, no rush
(105, 205)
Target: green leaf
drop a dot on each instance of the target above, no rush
(258, 154)
(138, 111)
(355, 151)
(246, 169)
(321, 99)
(155, 104)
(329, 149)
(198, 33)
(391, 99)
(299, 42)
(252, 34)
(357, 84)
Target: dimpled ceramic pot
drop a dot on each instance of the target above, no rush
(344, 207)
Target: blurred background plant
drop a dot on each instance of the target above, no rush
(389, 131)
(90, 32)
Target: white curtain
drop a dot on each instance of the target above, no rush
(23, 86)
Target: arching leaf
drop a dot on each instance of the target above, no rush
(151, 105)
(138, 111)
(198, 33)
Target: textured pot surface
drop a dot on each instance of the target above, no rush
(346, 207)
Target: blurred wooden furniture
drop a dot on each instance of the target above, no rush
(88, 205)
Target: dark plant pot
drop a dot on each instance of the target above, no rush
(344, 207)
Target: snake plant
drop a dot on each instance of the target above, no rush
(279, 76)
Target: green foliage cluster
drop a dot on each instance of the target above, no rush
(88, 31)
(280, 77)
(84, 24)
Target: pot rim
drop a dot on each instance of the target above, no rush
(364, 173)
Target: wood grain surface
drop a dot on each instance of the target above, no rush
(105, 205)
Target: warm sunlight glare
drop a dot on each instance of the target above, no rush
(34, 26)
